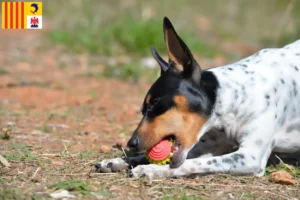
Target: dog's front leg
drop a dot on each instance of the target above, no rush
(119, 164)
(242, 162)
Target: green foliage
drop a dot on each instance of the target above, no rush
(131, 72)
(2, 71)
(85, 155)
(74, 185)
(127, 35)
(295, 171)
(20, 152)
(46, 129)
(248, 196)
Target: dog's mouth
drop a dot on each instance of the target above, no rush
(175, 144)
(177, 151)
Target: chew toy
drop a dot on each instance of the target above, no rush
(160, 153)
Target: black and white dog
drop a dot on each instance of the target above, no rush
(253, 104)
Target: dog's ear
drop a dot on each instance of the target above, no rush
(180, 54)
(163, 64)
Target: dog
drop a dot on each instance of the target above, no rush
(227, 119)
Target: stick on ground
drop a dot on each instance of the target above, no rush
(4, 161)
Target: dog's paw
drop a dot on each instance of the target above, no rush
(151, 171)
(111, 165)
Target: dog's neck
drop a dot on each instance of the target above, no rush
(226, 96)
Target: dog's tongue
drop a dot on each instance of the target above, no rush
(160, 151)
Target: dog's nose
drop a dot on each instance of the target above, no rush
(133, 143)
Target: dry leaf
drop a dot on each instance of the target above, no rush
(105, 148)
(282, 177)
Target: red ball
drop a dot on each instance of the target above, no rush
(160, 151)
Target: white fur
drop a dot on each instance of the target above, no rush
(258, 106)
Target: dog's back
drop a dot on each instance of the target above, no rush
(266, 87)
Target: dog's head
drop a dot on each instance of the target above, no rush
(175, 106)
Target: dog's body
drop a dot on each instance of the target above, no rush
(253, 104)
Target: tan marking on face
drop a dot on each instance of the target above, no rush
(179, 121)
(147, 101)
(148, 98)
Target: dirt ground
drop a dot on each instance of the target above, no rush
(58, 120)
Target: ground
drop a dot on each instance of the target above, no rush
(59, 117)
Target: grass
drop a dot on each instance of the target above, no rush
(131, 72)
(2, 71)
(85, 155)
(19, 152)
(78, 186)
(295, 171)
(128, 35)
(12, 193)
(181, 197)
(248, 196)
(46, 129)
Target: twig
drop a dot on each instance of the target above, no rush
(279, 159)
(55, 154)
(34, 174)
(4, 161)
(53, 174)
(82, 174)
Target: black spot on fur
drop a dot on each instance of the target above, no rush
(209, 162)
(296, 68)
(275, 116)
(282, 81)
(267, 96)
(273, 143)
(284, 109)
(275, 90)
(297, 54)
(230, 68)
(214, 161)
(227, 160)
(237, 156)
(236, 94)
(242, 163)
(258, 142)
(253, 157)
(282, 54)
(292, 127)
(295, 88)
(260, 170)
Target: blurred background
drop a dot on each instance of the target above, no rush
(71, 93)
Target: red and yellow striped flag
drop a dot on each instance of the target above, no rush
(22, 15)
